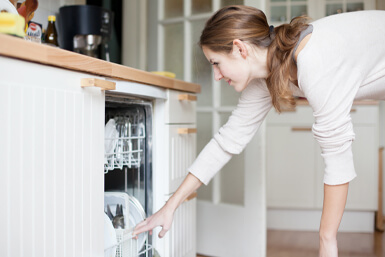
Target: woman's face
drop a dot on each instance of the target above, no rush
(237, 68)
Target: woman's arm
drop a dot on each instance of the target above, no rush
(333, 209)
(165, 215)
(232, 138)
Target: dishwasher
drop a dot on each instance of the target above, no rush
(128, 179)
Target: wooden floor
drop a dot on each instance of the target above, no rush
(305, 244)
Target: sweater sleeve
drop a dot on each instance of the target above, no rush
(330, 84)
(232, 138)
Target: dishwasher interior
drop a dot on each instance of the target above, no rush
(128, 173)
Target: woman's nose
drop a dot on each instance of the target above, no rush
(217, 74)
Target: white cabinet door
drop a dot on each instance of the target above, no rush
(295, 167)
(181, 239)
(176, 151)
(51, 151)
(363, 190)
(290, 166)
(182, 149)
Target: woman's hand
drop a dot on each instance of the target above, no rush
(162, 218)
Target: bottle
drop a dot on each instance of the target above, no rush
(51, 33)
(43, 35)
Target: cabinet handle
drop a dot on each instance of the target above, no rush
(289, 110)
(187, 97)
(300, 129)
(190, 197)
(353, 110)
(187, 130)
(103, 84)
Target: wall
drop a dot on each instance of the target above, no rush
(380, 4)
(134, 38)
(51, 7)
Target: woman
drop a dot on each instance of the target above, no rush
(331, 62)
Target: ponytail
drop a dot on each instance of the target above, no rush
(280, 61)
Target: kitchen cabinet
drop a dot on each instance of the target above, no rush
(52, 151)
(180, 127)
(180, 121)
(295, 167)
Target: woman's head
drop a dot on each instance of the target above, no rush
(235, 22)
(238, 27)
(229, 42)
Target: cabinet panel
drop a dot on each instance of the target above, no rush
(302, 115)
(182, 151)
(180, 107)
(183, 231)
(52, 177)
(363, 189)
(284, 146)
(365, 114)
(290, 167)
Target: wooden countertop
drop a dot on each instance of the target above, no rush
(21, 49)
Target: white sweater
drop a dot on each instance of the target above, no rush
(343, 61)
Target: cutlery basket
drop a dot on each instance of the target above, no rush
(128, 246)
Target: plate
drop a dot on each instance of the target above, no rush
(110, 242)
(137, 214)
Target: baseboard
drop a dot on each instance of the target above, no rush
(309, 220)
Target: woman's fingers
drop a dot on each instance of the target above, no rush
(162, 233)
(162, 218)
(142, 227)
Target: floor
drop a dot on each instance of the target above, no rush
(305, 244)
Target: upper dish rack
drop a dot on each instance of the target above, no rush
(124, 141)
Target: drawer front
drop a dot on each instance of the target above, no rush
(364, 114)
(182, 145)
(180, 107)
(303, 115)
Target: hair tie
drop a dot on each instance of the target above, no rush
(271, 29)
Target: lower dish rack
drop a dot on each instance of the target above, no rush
(128, 246)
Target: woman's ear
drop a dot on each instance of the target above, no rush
(240, 47)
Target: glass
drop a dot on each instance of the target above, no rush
(201, 68)
(174, 49)
(333, 9)
(201, 6)
(229, 97)
(298, 10)
(231, 2)
(233, 176)
(173, 8)
(355, 7)
(278, 13)
(205, 131)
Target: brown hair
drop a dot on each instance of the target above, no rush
(250, 24)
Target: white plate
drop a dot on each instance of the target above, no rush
(114, 198)
(137, 214)
(110, 242)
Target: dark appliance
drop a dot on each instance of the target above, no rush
(85, 29)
